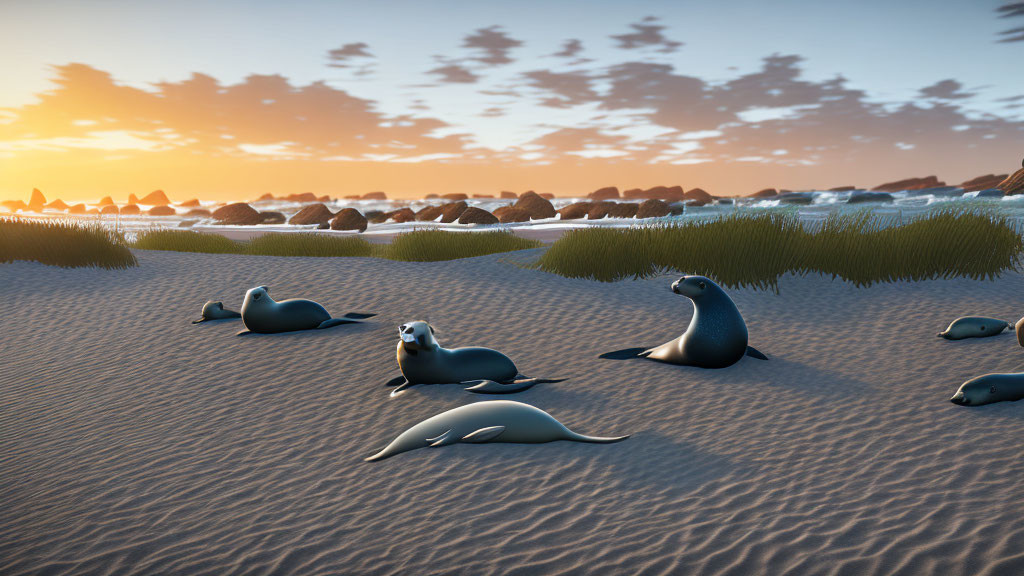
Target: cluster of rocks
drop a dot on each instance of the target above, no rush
(157, 199)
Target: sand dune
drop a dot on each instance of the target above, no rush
(136, 443)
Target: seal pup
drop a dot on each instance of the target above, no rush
(489, 421)
(715, 338)
(974, 327)
(423, 360)
(990, 388)
(216, 311)
(261, 314)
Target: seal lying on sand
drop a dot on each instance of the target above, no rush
(216, 311)
(490, 421)
(262, 314)
(423, 361)
(990, 388)
(1020, 331)
(974, 327)
(715, 338)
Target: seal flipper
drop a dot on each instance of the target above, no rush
(332, 322)
(443, 440)
(396, 381)
(492, 387)
(401, 388)
(198, 321)
(626, 354)
(755, 353)
(244, 332)
(484, 434)
(358, 316)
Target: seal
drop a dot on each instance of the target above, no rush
(715, 338)
(261, 314)
(1020, 331)
(974, 327)
(423, 360)
(489, 421)
(990, 388)
(216, 311)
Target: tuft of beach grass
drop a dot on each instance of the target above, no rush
(63, 243)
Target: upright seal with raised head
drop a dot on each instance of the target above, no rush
(263, 315)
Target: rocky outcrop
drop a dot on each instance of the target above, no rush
(155, 198)
(37, 201)
(454, 197)
(57, 205)
(990, 193)
(698, 195)
(547, 195)
(870, 197)
(606, 193)
(474, 215)
(375, 196)
(400, 215)
(349, 219)
(797, 198)
(202, 212)
(483, 196)
(537, 207)
(132, 199)
(909, 184)
(623, 209)
(666, 193)
(843, 189)
(237, 214)
(105, 201)
(193, 203)
(575, 211)
(599, 210)
(431, 197)
(162, 211)
(271, 217)
(312, 214)
(766, 193)
(324, 198)
(14, 205)
(304, 198)
(130, 209)
(428, 214)
(77, 209)
(451, 212)
(1014, 184)
(652, 208)
(985, 182)
(109, 209)
(506, 195)
(511, 214)
(376, 216)
(265, 198)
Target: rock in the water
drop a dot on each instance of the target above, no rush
(870, 197)
(537, 207)
(304, 198)
(766, 193)
(198, 212)
(37, 201)
(842, 189)
(109, 209)
(187, 223)
(483, 196)
(324, 198)
(77, 209)
(606, 193)
(375, 196)
(1014, 184)
(990, 193)
(451, 212)
(271, 217)
(725, 201)
(312, 214)
(699, 195)
(431, 197)
(349, 219)
(401, 215)
(622, 209)
(454, 197)
(575, 211)
(57, 204)
(129, 209)
(376, 216)
(237, 214)
(798, 198)
(162, 211)
(985, 182)
(652, 208)
(633, 193)
(265, 198)
(511, 214)
(599, 210)
(547, 195)
(193, 203)
(106, 201)
(474, 215)
(15, 205)
(155, 198)
(909, 184)
(132, 199)
(428, 214)
(506, 195)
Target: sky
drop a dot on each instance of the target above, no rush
(230, 100)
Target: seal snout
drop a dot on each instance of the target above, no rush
(959, 399)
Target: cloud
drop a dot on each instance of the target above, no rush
(647, 34)
(570, 48)
(564, 89)
(945, 90)
(494, 45)
(340, 57)
(452, 73)
(1010, 10)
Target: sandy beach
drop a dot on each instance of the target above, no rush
(134, 442)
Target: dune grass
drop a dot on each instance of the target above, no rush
(755, 250)
(60, 243)
(436, 245)
(415, 246)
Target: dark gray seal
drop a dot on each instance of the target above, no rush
(990, 388)
(974, 327)
(715, 338)
(423, 360)
(263, 315)
(216, 311)
(490, 421)
(1020, 331)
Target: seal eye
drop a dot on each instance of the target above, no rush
(982, 328)
(992, 390)
(256, 296)
(702, 285)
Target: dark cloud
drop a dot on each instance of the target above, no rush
(1010, 10)
(493, 44)
(647, 34)
(570, 48)
(452, 73)
(562, 89)
(945, 90)
(340, 57)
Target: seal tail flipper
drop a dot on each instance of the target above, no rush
(595, 439)
(755, 353)
(243, 333)
(358, 316)
(396, 381)
(332, 322)
(198, 321)
(625, 354)
(380, 455)
(492, 387)
(484, 434)
(401, 388)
